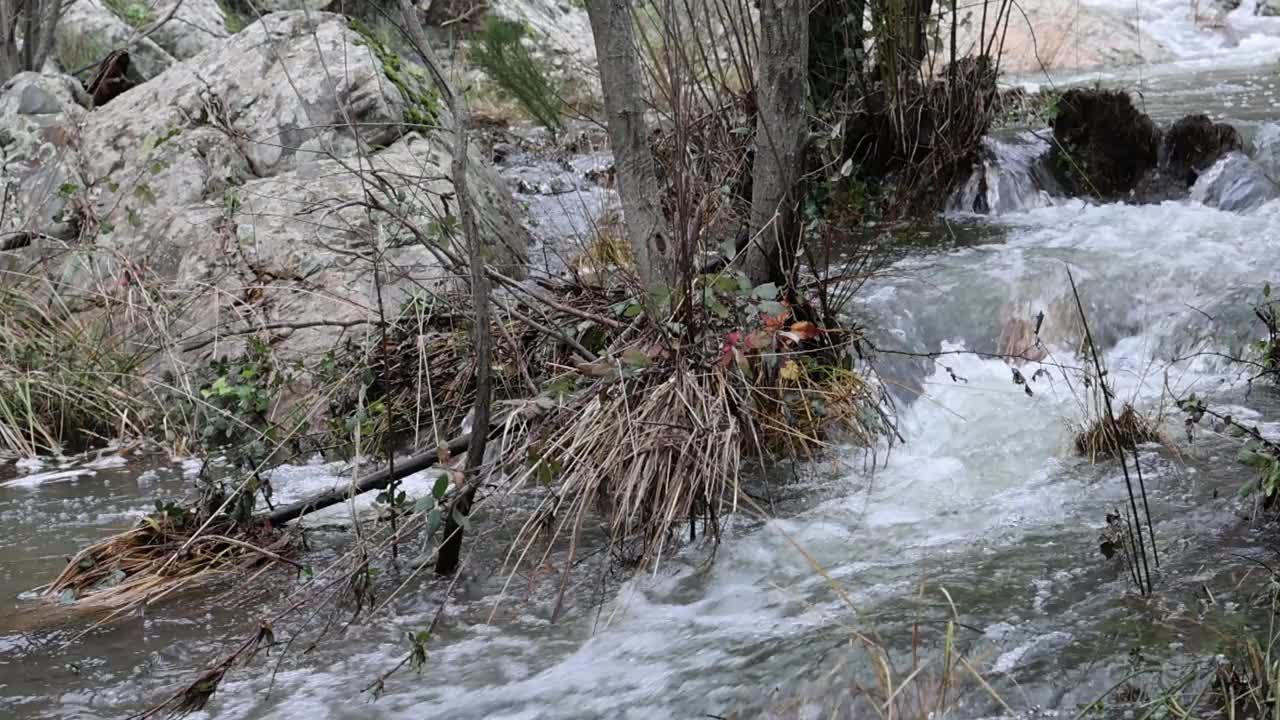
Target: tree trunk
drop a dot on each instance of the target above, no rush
(622, 81)
(39, 19)
(454, 525)
(781, 128)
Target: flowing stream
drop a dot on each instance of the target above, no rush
(985, 499)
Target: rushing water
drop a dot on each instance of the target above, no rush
(984, 499)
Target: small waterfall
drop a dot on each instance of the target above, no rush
(1011, 176)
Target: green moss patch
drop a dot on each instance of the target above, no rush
(422, 100)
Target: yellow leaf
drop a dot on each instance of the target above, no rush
(790, 371)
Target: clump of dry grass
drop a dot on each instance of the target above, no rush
(166, 552)
(606, 248)
(1099, 439)
(656, 438)
(62, 380)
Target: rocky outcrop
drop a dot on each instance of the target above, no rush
(236, 181)
(1056, 35)
(192, 26)
(1103, 144)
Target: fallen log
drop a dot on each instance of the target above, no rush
(374, 481)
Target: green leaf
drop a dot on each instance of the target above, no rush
(1266, 290)
(423, 504)
(1252, 457)
(633, 310)
(726, 284)
(461, 520)
(68, 189)
(442, 485)
(728, 249)
(433, 521)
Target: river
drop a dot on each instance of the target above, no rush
(985, 499)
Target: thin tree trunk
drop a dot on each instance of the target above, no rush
(623, 85)
(454, 526)
(37, 20)
(781, 127)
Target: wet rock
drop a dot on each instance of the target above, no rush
(1268, 8)
(1235, 183)
(1266, 149)
(1104, 145)
(1194, 143)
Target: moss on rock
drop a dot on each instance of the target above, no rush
(422, 100)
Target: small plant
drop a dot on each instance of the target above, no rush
(1269, 347)
(501, 53)
(137, 14)
(232, 19)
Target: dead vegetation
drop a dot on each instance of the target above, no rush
(1098, 439)
(168, 551)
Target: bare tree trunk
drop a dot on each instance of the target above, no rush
(451, 547)
(623, 85)
(38, 20)
(781, 128)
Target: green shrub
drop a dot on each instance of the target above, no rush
(502, 55)
(138, 14)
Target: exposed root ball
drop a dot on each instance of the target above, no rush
(1098, 439)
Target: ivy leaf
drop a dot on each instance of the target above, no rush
(433, 521)
(442, 485)
(423, 504)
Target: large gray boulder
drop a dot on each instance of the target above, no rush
(235, 183)
(39, 168)
(191, 27)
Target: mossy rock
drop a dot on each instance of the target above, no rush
(422, 100)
